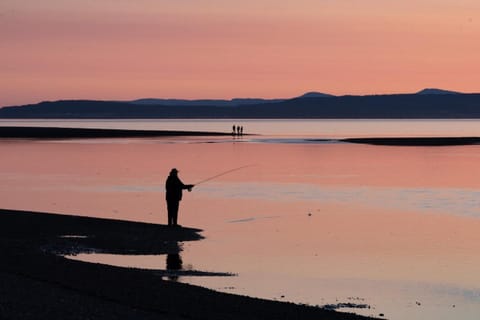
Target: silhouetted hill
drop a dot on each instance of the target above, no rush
(397, 106)
(314, 94)
(204, 102)
(110, 109)
(436, 91)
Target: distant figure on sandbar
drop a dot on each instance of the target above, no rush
(241, 130)
(174, 187)
(174, 263)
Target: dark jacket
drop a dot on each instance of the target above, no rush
(174, 188)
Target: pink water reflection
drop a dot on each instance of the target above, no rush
(292, 217)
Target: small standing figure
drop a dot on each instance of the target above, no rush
(174, 187)
(234, 130)
(241, 130)
(238, 130)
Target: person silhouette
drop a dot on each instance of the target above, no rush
(174, 187)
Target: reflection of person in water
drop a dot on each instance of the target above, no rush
(174, 187)
(174, 262)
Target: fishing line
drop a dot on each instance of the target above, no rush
(223, 173)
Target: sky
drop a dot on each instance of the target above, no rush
(125, 49)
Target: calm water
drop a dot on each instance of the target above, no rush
(396, 228)
(290, 128)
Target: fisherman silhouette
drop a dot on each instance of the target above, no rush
(174, 187)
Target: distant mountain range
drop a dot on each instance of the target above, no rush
(203, 102)
(427, 103)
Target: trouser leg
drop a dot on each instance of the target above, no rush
(175, 213)
(170, 214)
(172, 208)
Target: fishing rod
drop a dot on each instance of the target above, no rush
(223, 173)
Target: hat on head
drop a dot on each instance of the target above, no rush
(174, 170)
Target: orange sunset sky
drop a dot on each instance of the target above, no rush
(125, 49)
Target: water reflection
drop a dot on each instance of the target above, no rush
(378, 214)
(174, 263)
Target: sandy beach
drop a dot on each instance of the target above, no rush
(38, 283)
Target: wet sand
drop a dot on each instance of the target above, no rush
(416, 141)
(37, 282)
(64, 133)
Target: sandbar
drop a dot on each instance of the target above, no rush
(416, 141)
(71, 133)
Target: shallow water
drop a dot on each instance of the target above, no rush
(278, 127)
(319, 223)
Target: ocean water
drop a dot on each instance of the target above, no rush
(387, 230)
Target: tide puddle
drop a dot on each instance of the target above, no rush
(169, 265)
(149, 262)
